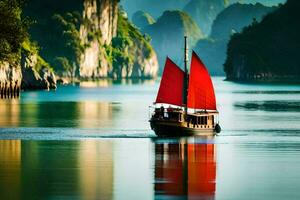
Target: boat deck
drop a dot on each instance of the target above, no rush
(176, 122)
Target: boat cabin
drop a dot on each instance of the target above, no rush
(200, 119)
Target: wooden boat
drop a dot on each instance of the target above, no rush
(185, 103)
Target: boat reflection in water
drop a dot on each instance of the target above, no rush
(185, 169)
(108, 169)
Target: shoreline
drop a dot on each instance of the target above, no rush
(67, 80)
(288, 80)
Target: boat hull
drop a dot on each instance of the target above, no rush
(171, 129)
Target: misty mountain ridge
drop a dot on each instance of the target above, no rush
(204, 12)
(168, 34)
(157, 7)
(235, 17)
(154, 7)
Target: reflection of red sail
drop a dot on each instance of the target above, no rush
(170, 175)
(201, 170)
(171, 85)
(201, 93)
(185, 170)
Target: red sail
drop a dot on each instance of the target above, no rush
(171, 85)
(201, 93)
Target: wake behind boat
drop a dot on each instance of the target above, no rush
(185, 103)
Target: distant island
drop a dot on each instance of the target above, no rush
(267, 50)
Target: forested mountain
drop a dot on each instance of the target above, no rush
(231, 20)
(267, 50)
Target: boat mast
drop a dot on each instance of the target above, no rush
(185, 84)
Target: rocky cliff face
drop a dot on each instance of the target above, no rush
(31, 78)
(10, 80)
(102, 23)
(23, 75)
(100, 19)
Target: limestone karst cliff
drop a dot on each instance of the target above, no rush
(10, 80)
(98, 28)
(76, 38)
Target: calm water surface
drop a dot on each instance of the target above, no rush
(93, 141)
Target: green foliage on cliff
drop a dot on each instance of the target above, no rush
(68, 26)
(56, 29)
(13, 30)
(64, 67)
(14, 37)
(29, 48)
(122, 51)
(269, 47)
(127, 31)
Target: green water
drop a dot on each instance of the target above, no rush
(93, 141)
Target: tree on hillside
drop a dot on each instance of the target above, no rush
(13, 29)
